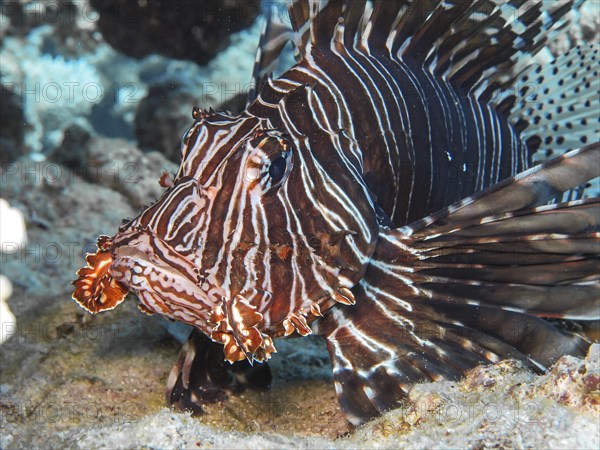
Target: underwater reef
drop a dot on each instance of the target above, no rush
(92, 114)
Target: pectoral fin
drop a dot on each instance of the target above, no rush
(471, 285)
(200, 375)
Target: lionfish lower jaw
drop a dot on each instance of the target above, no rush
(95, 289)
(237, 327)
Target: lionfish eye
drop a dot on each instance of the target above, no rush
(269, 160)
(277, 168)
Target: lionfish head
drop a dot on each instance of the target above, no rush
(255, 237)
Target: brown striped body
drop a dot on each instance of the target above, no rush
(284, 219)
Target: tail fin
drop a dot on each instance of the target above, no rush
(470, 285)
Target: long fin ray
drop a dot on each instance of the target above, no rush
(375, 359)
(425, 310)
(468, 41)
(529, 189)
(300, 18)
(275, 35)
(491, 249)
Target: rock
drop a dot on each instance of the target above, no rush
(500, 405)
(55, 91)
(162, 118)
(437, 415)
(64, 215)
(24, 15)
(120, 165)
(574, 382)
(182, 30)
(179, 430)
(11, 126)
(9, 323)
(72, 23)
(70, 379)
(73, 150)
(61, 68)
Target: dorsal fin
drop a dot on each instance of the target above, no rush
(325, 18)
(528, 27)
(300, 19)
(315, 22)
(410, 22)
(381, 22)
(276, 33)
(470, 41)
(464, 38)
(435, 25)
(353, 17)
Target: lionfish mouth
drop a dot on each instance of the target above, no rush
(129, 262)
(138, 261)
(96, 289)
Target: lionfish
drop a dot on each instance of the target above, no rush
(376, 194)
